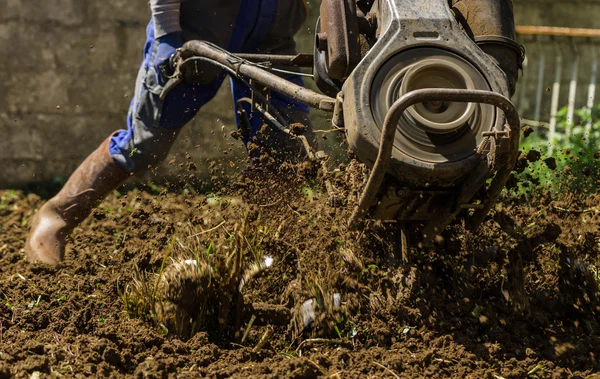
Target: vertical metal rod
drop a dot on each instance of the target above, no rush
(591, 95)
(554, 103)
(540, 88)
(523, 86)
(572, 96)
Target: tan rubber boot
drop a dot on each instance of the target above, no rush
(89, 184)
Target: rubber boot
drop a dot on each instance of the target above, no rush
(89, 184)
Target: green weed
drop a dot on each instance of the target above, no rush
(575, 162)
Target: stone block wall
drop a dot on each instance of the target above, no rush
(67, 73)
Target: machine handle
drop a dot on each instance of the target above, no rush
(240, 67)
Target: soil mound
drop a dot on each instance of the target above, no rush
(305, 297)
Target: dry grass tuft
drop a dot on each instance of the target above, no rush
(198, 288)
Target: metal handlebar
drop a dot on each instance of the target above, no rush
(242, 67)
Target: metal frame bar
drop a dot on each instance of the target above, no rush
(557, 31)
(436, 94)
(273, 120)
(298, 60)
(258, 74)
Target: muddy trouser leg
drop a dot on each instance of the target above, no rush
(261, 137)
(153, 123)
(278, 38)
(243, 26)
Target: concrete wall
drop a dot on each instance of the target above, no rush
(47, 62)
(82, 56)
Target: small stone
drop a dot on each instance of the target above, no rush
(58, 107)
(530, 353)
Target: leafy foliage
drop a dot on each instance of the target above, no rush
(575, 161)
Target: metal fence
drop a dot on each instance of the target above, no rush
(560, 69)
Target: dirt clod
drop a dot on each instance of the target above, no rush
(533, 156)
(298, 129)
(527, 131)
(551, 163)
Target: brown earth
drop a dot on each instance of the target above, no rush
(444, 315)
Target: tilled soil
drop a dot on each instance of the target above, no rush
(451, 312)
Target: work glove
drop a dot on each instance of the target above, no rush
(167, 48)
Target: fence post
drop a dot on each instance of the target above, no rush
(523, 85)
(540, 88)
(591, 95)
(554, 103)
(572, 93)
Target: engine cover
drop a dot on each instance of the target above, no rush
(421, 45)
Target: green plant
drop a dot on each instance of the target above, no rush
(8, 197)
(477, 311)
(574, 164)
(34, 303)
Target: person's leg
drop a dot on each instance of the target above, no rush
(87, 186)
(263, 139)
(152, 126)
(273, 32)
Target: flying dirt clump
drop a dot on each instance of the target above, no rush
(298, 129)
(551, 163)
(525, 158)
(527, 131)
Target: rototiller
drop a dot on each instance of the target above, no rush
(421, 90)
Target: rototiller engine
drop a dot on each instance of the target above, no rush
(421, 90)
